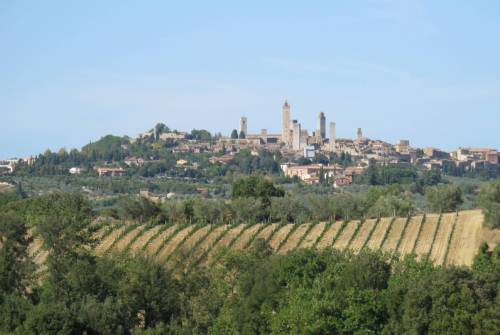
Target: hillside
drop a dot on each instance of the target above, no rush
(447, 239)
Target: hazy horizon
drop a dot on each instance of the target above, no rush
(418, 70)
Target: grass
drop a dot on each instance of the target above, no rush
(155, 236)
(402, 233)
(137, 236)
(124, 233)
(275, 230)
(231, 243)
(387, 233)
(434, 235)
(419, 233)
(337, 235)
(322, 234)
(212, 245)
(355, 233)
(370, 234)
(254, 236)
(450, 238)
(110, 229)
(284, 240)
(306, 233)
(181, 242)
(169, 238)
(195, 246)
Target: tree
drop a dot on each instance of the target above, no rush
(390, 205)
(489, 200)
(255, 186)
(431, 178)
(16, 267)
(201, 135)
(443, 198)
(242, 135)
(234, 134)
(63, 222)
(148, 292)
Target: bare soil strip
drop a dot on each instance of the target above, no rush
(224, 241)
(246, 236)
(294, 239)
(35, 246)
(154, 245)
(207, 243)
(99, 234)
(326, 241)
(267, 231)
(108, 241)
(394, 235)
(425, 240)
(314, 233)
(192, 240)
(231, 234)
(345, 236)
(125, 240)
(466, 239)
(174, 242)
(41, 257)
(410, 235)
(442, 237)
(378, 234)
(139, 243)
(280, 235)
(358, 242)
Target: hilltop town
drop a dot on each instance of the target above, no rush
(313, 158)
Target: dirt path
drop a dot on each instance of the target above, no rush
(280, 235)
(408, 239)
(345, 236)
(313, 235)
(246, 237)
(394, 235)
(466, 239)
(425, 240)
(294, 239)
(139, 243)
(442, 238)
(362, 235)
(326, 241)
(378, 234)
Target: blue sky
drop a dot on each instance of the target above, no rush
(72, 71)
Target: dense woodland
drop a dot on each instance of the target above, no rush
(248, 292)
(253, 292)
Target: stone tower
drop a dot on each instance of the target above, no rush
(296, 135)
(321, 131)
(285, 134)
(359, 134)
(333, 136)
(243, 125)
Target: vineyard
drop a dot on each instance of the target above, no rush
(446, 239)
